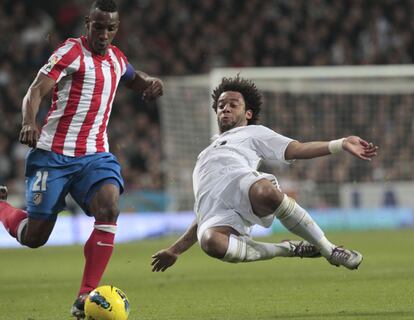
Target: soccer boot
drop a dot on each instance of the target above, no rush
(343, 257)
(78, 307)
(302, 249)
(3, 193)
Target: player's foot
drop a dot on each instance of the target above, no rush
(343, 257)
(78, 307)
(303, 249)
(3, 193)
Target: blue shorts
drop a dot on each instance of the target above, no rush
(51, 176)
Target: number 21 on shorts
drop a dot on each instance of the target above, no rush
(40, 182)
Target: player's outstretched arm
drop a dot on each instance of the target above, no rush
(165, 258)
(354, 145)
(150, 87)
(29, 134)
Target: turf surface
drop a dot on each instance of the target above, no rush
(41, 284)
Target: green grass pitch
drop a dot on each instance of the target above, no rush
(41, 284)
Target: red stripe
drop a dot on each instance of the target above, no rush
(71, 107)
(63, 63)
(93, 109)
(102, 129)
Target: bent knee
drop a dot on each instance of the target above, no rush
(214, 244)
(107, 213)
(265, 197)
(35, 241)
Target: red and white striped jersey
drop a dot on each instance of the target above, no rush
(82, 98)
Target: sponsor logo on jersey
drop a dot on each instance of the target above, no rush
(52, 61)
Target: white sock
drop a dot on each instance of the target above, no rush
(299, 222)
(245, 249)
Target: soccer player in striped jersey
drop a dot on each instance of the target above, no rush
(70, 154)
(231, 195)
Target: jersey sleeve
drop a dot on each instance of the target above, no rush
(64, 61)
(270, 145)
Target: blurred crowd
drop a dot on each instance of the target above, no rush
(175, 37)
(387, 120)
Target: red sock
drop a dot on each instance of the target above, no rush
(97, 251)
(11, 217)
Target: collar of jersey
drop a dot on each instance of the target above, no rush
(218, 135)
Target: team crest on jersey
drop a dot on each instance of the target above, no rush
(37, 199)
(54, 58)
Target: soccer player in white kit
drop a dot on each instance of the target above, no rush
(231, 195)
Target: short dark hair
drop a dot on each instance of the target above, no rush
(104, 5)
(247, 88)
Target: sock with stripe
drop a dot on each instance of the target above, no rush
(298, 221)
(13, 219)
(245, 249)
(98, 250)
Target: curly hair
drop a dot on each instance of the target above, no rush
(249, 91)
(104, 5)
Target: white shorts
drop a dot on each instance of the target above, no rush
(232, 207)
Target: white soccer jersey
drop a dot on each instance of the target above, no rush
(82, 98)
(234, 153)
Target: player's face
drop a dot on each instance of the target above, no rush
(102, 27)
(231, 111)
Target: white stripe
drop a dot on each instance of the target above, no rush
(91, 142)
(106, 227)
(119, 68)
(20, 229)
(123, 68)
(118, 74)
(83, 105)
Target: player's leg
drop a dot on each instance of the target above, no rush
(266, 200)
(97, 191)
(98, 248)
(28, 231)
(13, 219)
(225, 243)
(45, 191)
(37, 232)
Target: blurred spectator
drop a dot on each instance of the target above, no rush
(173, 37)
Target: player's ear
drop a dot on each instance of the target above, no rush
(249, 114)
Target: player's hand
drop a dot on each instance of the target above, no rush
(163, 259)
(360, 148)
(154, 90)
(29, 134)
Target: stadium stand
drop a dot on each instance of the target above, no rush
(172, 37)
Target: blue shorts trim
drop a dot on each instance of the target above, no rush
(51, 176)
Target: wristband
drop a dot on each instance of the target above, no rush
(335, 146)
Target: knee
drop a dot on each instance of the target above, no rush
(213, 245)
(107, 213)
(267, 195)
(34, 242)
